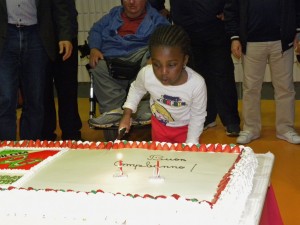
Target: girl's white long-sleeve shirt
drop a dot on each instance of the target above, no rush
(174, 106)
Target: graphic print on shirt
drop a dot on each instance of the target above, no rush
(160, 112)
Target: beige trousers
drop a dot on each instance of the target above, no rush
(257, 56)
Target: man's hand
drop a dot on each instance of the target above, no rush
(297, 44)
(236, 49)
(165, 13)
(65, 48)
(220, 16)
(125, 121)
(95, 56)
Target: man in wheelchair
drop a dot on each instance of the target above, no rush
(118, 49)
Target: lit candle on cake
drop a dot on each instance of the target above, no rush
(156, 178)
(120, 156)
(157, 168)
(120, 173)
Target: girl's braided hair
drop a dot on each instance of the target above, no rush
(170, 36)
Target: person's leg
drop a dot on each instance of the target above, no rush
(49, 124)
(222, 72)
(212, 60)
(143, 113)
(66, 83)
(9, 84)
(199, 62)
(110, 93)
(254, 65)
(281, 66)
(33, 63)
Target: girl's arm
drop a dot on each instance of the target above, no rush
(198, 113)
(126, 120)
(136, 92)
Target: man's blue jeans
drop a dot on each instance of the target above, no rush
(22, 63)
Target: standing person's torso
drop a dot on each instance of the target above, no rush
(38, 12)
(73, 14)
(21, 12)
(197, 15)
(263, 20)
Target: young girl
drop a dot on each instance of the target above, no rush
(177, 93)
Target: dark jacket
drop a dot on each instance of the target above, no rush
(157, 4)
(74, 13)
(74, 22)
(197, 15)
(46, 23)
(235, 12)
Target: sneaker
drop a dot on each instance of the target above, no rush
(290, 136)
(246, 137)
(210, 125)
(107, 119)
(233, 130)
(143, 114)
(143, 117)
(136, 122)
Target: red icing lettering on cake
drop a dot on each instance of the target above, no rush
(23, 159)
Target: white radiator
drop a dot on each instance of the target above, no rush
(89, 11)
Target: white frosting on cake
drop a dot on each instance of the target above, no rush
(194, 175)
(184, 172)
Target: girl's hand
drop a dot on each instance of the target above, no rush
(125, 121)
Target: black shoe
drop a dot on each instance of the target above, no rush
(233, 130)
(49, 137)
(76, 136)
(209, 125)
(72, 138)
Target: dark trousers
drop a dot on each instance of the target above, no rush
(63, 74)
(211, 58)
(23, 59)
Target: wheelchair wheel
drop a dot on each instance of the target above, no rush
(110, 134)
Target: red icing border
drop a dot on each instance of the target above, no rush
(122, 145)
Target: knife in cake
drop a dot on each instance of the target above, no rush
(121, 133)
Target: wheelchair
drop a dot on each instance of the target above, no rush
(110, 132)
